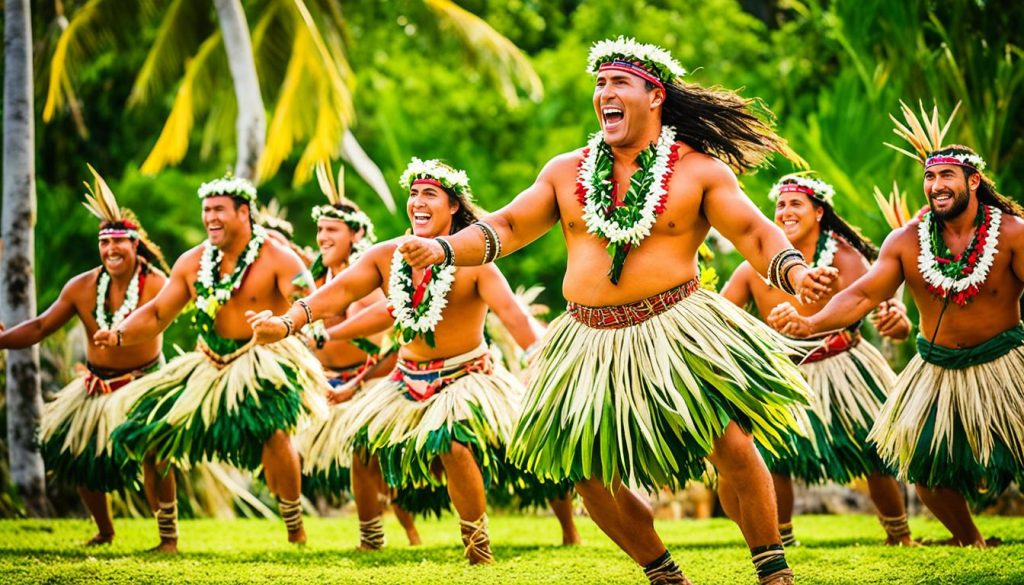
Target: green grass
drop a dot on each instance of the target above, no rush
(836, 549)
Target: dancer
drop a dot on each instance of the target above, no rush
(446, 401)
(229, 399)
(75, 427)
(952, 424)
(646, 375)
(849, 377)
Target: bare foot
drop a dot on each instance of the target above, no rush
(904, 541)
(366, 548)
(167, 545)
(297, 537)
(571, 538)
(100, 539)
(413, 536)
(991, 541)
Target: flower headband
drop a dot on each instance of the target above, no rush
(228, 186)
(649, 62)
(435, 172)
(815, 188)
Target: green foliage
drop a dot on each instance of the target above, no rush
(835, 550)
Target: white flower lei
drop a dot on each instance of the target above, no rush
(595, 217)
(828, 253)
(822, 190)
(131, 300)
(926, 262)
(401, 289)
(210, 261)
(233, 186)
(966, 158)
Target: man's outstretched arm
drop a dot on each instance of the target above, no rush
(34, 330)
(529, 216)
(152, 318)
(852, 303)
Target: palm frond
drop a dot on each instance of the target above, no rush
(172, 144)
(176, 40)
(500, 57)
(352, 152)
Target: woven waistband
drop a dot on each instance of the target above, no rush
(421, 380)
(832, 345)
(630, 314)
(224, 360)
(105, 380)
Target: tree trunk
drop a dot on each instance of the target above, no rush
(18, 294)
(251, 124)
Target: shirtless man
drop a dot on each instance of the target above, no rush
(75, 428)
(203, 404)
(343, 233)
(646, 376)
(849, 377)
(447, 401)
(952, 425)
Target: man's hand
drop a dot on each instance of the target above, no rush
(105, 338)
(421, 252)
(890, 319)
(788, 321)
(345, 392)
(266, 327)
(813, 284)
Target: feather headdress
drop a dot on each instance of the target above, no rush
(119, 223)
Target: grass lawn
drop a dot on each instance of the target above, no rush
(836, 549)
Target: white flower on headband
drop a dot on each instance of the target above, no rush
(822, 190)
(228, 187)
(654, 57)
(453, 179)
(965, 158)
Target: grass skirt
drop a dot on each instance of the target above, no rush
(75, 438)
(646, 402)
(192, 410)
(957, 428)
(407, 435)
(848, 391)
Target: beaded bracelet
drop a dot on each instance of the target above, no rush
(305, 307)
(449, 253)
(289, 325)
(492, 243)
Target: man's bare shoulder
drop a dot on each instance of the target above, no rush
(1012, 226)
(902, 238)
(848, 257)
(562, 165)
(83, 284)
(702, 167)
(188, 263)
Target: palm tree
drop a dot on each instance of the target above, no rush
(251, 121)
(299, 49)
(24, 401)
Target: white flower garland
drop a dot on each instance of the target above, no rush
(209, 263)
(131, 300)
(828, 253)
(628, 47)
(927, 264)
(233, 186)
(966, 158)
(401, 289)
(596, 217)
(453, 179)
(822, 190)
(356, 217)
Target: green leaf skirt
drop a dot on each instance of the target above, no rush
(645, 403)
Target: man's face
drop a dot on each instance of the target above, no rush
(223, 222)
(624, 106)
(948, 190)
(797, 216)
(430, 210)
(118, 255)
(335, 240)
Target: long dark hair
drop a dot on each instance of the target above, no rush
(467, 214)
(715, 121)
(987, 193)
(830, 220)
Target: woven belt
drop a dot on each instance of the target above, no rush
(834, 344)
(635, 313)
(104, 380)
(222, 361)
(421, 380)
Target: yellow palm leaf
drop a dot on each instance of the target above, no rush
(894, 206)
(499, 56)
(172, 144)
(175, 41)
